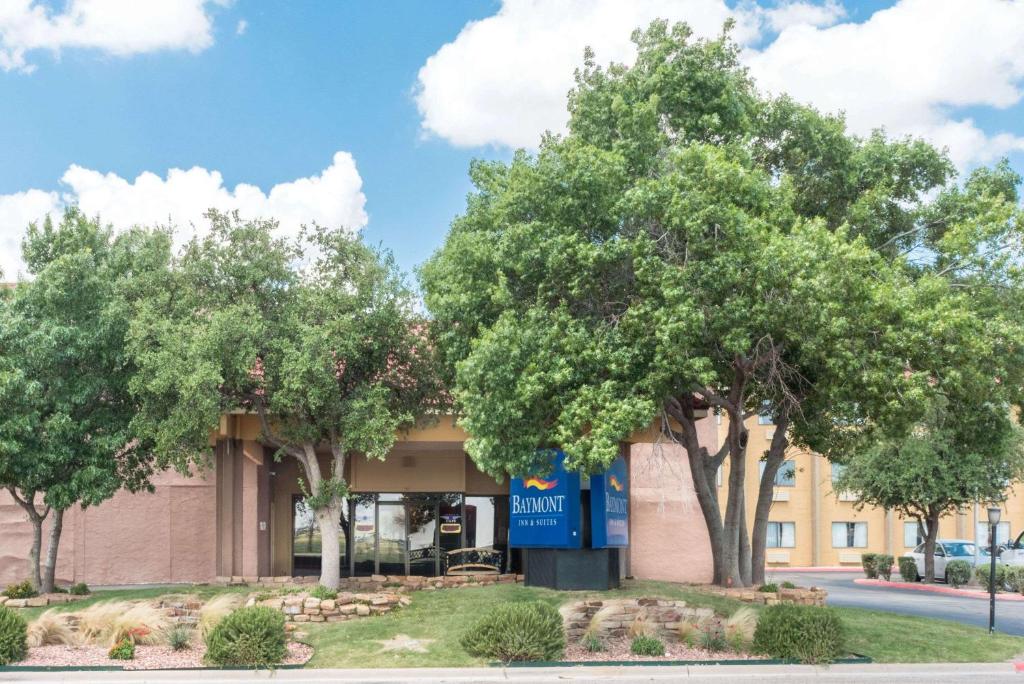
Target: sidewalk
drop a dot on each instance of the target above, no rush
(923, 673)
(938, 589)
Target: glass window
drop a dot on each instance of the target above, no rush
(364, 535)
(306, 546)
(781, 535)
(846, 535)
(421, 510)
(837, 471)
(785, 476)
(765, 417)
(912, 534)
(391, 538)
(958, 548)
(1002, 534)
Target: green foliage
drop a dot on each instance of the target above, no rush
(983, 573)
(869, 561)
(250, 637)
(908, 569)
(20, 590)
(517, 631)
(13, 636)
(123, 650)
(321, 592)
(591, 643)
(769, 588)
(788, 585)
(809, 634)
(712, 636)
(79, 589)
(647, 646)
(179, 637)
(958, 572)
(883, 566)
(1014, 578)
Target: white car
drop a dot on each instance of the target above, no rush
(948, 550)
(1013, 553)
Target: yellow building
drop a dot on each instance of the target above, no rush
(814, 526)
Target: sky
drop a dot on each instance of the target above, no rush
(367, 114)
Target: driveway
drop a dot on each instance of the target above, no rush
(843, 592)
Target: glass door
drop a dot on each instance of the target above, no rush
(421, 510)
(364, 535)
(391, 542)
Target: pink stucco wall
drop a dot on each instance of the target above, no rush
(166, 536)
(668, 538)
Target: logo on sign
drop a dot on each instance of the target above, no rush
(614, 482)
(534, 482)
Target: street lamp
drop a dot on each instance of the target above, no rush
(993, 522)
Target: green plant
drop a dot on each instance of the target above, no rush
(249, 636)
(808, 634)
(908, 569)
(591, 643)
(869, 561)
(179, 637)
(21, 590)
(13, 636)
(215, 610)
(712, 636)
(644, 645)
(641, 626)
(958, 573)
(517, 631)
(80, 589)
(983, 573)
(123, 650)
(788, 585)
(687, 632)
(739, 629)
(263, 596)
(883, 566)
(321, 592)
(769, 588)
(1015, 578)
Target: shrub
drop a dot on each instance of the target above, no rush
(179, 637)
(80, 589)
(110, 622)
(808, 634)
(249, 636)
(517, 631)
(740, 628)
(321, 592)
(958, 573)
(883, 566)
(215, 610)
(1015, 578)
(908, 569)
(50, 628)
(788, 585)
(688, 633)
(647, 646)
(869, 561)
(983, 573)
(641, 626)
(122, 650)
(769, 588)
(712, 636)
(21, 590)
(13, 636)
(591, 643)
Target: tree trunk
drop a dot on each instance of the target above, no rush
(931, 533)
(50, 568)
(329, 520)
(734, 519)
(765, 494)
(36, 518)
(746, 572)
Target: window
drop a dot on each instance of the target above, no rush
(837, 471)
(1002, 534)
(786, 475)
(847, 535)
(912, 534)
(781, 535)
(765, 417)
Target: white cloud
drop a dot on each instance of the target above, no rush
(333, 197)
(503, 80)
(117, 27)
(241, 27)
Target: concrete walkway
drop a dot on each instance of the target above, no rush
(791, 674)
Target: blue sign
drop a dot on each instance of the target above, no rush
(609, 507)
(545, 510)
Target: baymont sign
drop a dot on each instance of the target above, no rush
(538, 504)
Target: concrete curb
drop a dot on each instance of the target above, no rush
(822, 568)
(936, 589)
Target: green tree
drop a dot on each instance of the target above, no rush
(65, 408)
(689, 245)
(320, 339)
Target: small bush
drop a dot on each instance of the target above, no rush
(50, 628)
(110, 622)
(591, 643)
(808, 634)
(13, 636)
(122, 650)
(321, 592)
(712, 636)
(688, 633)
(215, 610)
(21, 590)
(958, 573)
(788, 585)
(647, 646)
(983, 573)
(517, 631)
(179, 638)
(769, 588)
(869, 561)
(80, 589)
(1015, 578)
(641, 626)
(883, 566)
(908, 569)
(740, 628)
(249, 637)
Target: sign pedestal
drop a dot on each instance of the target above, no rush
(572, 569)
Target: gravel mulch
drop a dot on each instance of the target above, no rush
(618, 649)
(146, 657)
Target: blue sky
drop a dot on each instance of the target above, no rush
(266, 93)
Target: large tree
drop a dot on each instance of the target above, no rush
(65, 408)
(319, 338)
(689, 244)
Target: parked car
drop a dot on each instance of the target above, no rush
(1013, 552)
(947, 550)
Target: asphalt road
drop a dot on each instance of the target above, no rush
(972, 611)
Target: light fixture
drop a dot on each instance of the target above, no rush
(993, 515)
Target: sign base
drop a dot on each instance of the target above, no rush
(572, 569)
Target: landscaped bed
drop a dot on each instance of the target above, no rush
(618, 650)
(158, 657)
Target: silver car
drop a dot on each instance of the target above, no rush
(1013, 553)
(948, 550)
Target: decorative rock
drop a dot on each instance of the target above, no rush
(327, 604)
(301, 618)
(378, 578)
(311, 611)
(311, 602)
(37, 602)
(362, 609)
(316, 618)
(347, 609)
(16, 603)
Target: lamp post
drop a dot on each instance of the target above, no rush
(993, 522)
